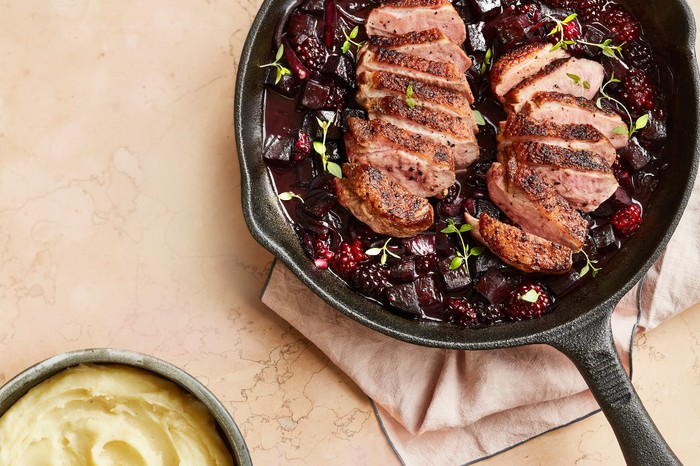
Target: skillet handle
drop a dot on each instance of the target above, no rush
(593, 351)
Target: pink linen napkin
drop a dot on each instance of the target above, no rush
(452, 407)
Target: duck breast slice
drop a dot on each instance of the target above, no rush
(400, 17)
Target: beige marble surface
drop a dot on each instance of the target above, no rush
(121, 226)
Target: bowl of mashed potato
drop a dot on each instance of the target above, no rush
(114, 407)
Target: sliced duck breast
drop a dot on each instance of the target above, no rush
(400, 17)
(378, 84)
(439, 127)
(520, 63)
(421, 167)
(429, 45)
(578, 176)
(381, 204)
(532, 203)
(520, 249)
(444, 74)
(562, 108)
(519, 127)
(575, 76)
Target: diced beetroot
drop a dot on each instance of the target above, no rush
(313, 95)
(330, 23)
(443, 245)
(297, 67)
(455, 279)
(420, 245)
(318, 203)
(475, 37)
(494, 286)
(604, 238)
(486, 261)
(278, 150)
(428, 292)
(340, 67)
(404, 297)
(287, 85)
(635, 155)
(301, 25)
(403, 271)
(559, 284)
(485, 8)
(511, 29)
(655, 130)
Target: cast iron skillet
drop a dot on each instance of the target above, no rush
(580, 327)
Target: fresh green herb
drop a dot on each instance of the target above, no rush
(383, 251)
(409, 96)
(559, 29)
(349, 42)
(466, 252)
(288, 196)
(281, 70)
(531, 296)
(487, 61)
(634, 125)
(479, 118)
(589, 266)
(320, 148)
(577, 80)
(606, 46)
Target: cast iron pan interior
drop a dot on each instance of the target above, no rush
(580, 326)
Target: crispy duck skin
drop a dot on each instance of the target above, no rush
(563, 108)
(520, 127)
(520, 63)
(430, 45)
(581, 177)
(400, 17)
(440, 127)
(381, 204)
(444, 74)
(532, 203)
(523, 250)
(556, 77)
(378, 84)
(420, 166)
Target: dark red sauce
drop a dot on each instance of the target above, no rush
(419, 283)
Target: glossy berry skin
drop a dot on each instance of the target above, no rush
(370, 279)
(622, 25)
(638, 54)
(638, 91)
(627, 220)
(519, 309)
(302, 146)
(461, 312)
(590, 10)
(347, 258)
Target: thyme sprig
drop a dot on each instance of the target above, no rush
(349, 42)
(589, 266)
(634, 125)
(530, 297)
(559, 29)
(462, 256)
(385, 253)
(288, 196)
(281, 70)
(606, 46)
(487, 61)
(320, 148)
(409, 97)
(478, 117)
(578, 80)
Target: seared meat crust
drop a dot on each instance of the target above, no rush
(380, 203)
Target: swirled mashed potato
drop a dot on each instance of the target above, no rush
(109, 415)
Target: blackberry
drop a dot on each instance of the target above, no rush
(347, 258)
(627, 220)
(638, 91)
(490, 314)
(638, 54)
(426, 264)
(370, 279)
(621, 23)
(590, 10)
(461, 312)
(568, 4)
(527, 301)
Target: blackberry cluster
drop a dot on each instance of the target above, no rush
(371, 279)
(519, 309)
(462, 312)
(347, 258)
(590, 10)
(627, 220)
(622, 25)
(638, 91)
